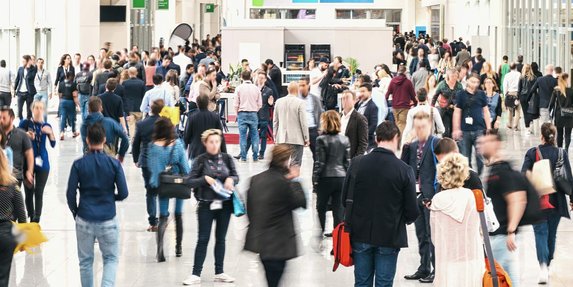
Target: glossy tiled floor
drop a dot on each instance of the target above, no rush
(56, 264)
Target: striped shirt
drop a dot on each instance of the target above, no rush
(11, 204)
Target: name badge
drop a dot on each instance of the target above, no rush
(216, 205)
(39, 161)
(469, 121)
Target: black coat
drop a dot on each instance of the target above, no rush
(544, 87)
(112, 105)
(558, 199)
(199, 122)
(357, 133)
(371, 115)
(143, 134)
(133, 92)
(28, 81)
(61, 74)
(277, 78)
(384, 199)
(271, 198)
(557, 102)
(427, 174)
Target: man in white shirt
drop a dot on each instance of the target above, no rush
(156, 93)
(77, 63)
(42, 82)
(437, 125)
(6, 78)
(316, 76)
(182, 59)
(510, 88)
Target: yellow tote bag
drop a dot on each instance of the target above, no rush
(172, 113)
(28, 235)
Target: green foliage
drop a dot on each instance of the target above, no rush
(352, 65)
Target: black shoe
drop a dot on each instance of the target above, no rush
(429, 279)
(237, 157)
(261, 157)
(328, 235)
(178, 235)
(415, 276)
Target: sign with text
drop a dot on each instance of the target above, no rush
(138, 4)
(162, 4)
(209, 8)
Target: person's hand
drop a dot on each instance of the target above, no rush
(47, 130)
(29, 177)
(457, 134)
(306, 143)
(571, 205)
(496, 125)
(120, 158)
(271, 100)
(294, 172)
(30, 135)
(50, 96)
(511, 245)
(209, 180)
(137, 165)
(229, 184)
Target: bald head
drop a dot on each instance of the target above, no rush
(132, 72)
(293, 88)
(549, 70)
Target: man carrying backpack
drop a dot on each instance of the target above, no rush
(84, 84)
(508, 190)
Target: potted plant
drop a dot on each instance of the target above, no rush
(234, 77)
(352, 66)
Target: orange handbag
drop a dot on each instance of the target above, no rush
(341, 246)
(496, 277)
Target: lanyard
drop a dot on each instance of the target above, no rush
(41, 76)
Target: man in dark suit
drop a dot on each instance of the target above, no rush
(354, 125)
(544, 88)
(420, 156)
(133, 92)
(167, 65)
(369, 110)
(380, 199)
(199, 122)
(24, 86)
(101, 78)
(141, 140)
(112, 103)
(276, 76)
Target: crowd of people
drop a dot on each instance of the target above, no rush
(398, 146)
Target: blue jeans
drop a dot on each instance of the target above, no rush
(43, 96)
(84, 99)
(468, 142)
(67, 114)
(206, 216)
(263, 135)
(248, 121)
(370, 261)
(545, 238)
(164, 206)
(107, 235)
(150, 197)
(507, 259)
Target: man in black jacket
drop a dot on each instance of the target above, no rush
(276, 76)
(369, 110)
(133, 92)
(112, 103)
(420, 156)
(544, 88)
(24, 86)
(198, 123)
(141, 140)
(380, 199)
(354, 125)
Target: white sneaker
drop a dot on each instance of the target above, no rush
(543, 274)
(223, 278)
(192, 280)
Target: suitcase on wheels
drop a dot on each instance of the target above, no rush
(496, 276)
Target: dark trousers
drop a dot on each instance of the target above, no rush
(151, 198)
(329, 188)
(263, 135)
(274, 270)
(313, 134)
(527, 117)
(7, 245)
(5, 99)
(564, 133)
(27, 99)
(35, 195)
(206, 216)
(467, 145)
(425, 246)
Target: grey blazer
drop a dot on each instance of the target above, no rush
(289, 122)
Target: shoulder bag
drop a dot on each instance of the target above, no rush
(566, 112)
(562, 183)
(540, 176)
(173, 185)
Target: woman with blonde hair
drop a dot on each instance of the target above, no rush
(561, 99)
(455, 227)
(332, 160)
(488, 72)
(446, 63)
(11, 207)
(431, 85)
(526, 82)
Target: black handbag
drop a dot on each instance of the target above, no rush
(560, 176)
(511, 100)
(173, 185)
(566, 112)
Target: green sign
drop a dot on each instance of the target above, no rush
(209, 8)
(138, 4)
(162, 4)
(258, 3)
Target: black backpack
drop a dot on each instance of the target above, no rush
(83, 84)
